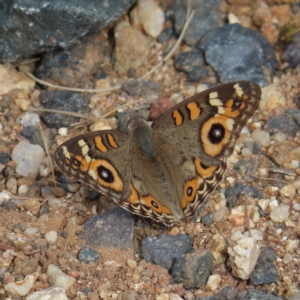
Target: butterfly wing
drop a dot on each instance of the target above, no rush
(100, 159)
(198, 135)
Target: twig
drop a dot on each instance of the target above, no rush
(60, 87)
(47, 151)
(189, 18)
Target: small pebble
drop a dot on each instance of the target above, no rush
(246, 152)
(151, 17)
(22, 287)
(88, 254)
(63, 131)
(53, 292)
(218, 248)
(28, 158)
(220, 214)
(255, 216)
(243, 255)
(261, 137)
(280, 213)
(263, 204)
(162, 297)
(287, 258)
(23, 189)
(273, 203)
(32, 205)
(55, 203)
(131, 264)
(263, 172)
(57, 277)
(12, 185)
(291, 245)
(51, 237)
(288, 191)
(29, 119)
(296, 206)
(30, 231)
(213, 282)
(279, 137)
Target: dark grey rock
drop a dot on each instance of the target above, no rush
(43, 210)
(295, 7)
(258, 295)
(264, 274)
(30, 27)
(228, 293)
(63, 101)
(73, 67)
(198, 74)
(207, 16)
(166, 35)
(189, 60)
(113, 229)
(4, 158)
(163, 249)
(9, 205)
(266, 254)
(238, 53)
(265, 271)
(33, 134)
(193, 269)
(207, 219)
(197, 297)
(192, 63)
(291, 54)
(233, 192)
(88, 254)
(283, 124)
(295, 114)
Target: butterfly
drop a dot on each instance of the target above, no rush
(166, 170)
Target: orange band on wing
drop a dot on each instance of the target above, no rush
(195, 111)
(177, 117)
(189, 192)
(203, 171)
(112, 141)
(99, 144)
(155, 205)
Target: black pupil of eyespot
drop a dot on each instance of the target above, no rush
(237, 103)
(189, 191)
(216, 133)
(76, 162)
(154, 204)
(203, 166)
(105, 174)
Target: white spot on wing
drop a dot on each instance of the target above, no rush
(238, 90)
(230, 123)
(66, 152)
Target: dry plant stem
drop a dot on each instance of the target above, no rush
(67, 113)
(47, 151)
(189, 18)
(270, 179)
(59, 87)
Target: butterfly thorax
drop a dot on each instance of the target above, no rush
(143, 137)
(157, 178)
